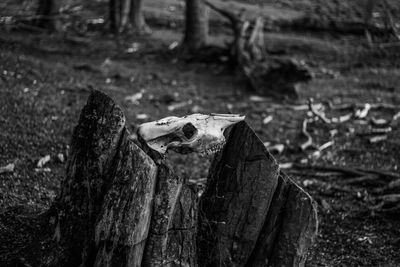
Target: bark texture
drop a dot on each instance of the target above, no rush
(123, 224)
(250, 213)
(136, 16)
(127, 15)
(90, 173)
(117, 206)
(171, 240)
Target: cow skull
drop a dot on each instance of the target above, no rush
(193, 133)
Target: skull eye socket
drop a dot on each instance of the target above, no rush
(189, 130)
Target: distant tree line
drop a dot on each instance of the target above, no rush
(127, 15)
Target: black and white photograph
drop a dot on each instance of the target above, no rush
(199, 133)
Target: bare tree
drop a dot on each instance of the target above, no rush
(196, 26)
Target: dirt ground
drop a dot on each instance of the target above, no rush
(45, 80)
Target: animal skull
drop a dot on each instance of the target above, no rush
(193, 133)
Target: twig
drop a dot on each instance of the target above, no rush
(361, 179)
(318, 114)
(350, 171)
(227, 14)
(362, 113)
(344, 170)
(330, 185)
(256, 41)
(377, 139)
(29, 27)
(325, 146)
(377, 131)
(309, 141)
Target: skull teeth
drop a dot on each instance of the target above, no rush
(212, 150)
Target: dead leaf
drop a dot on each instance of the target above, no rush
(377, 139)
(325, 205)
(179, 105)
(8, 168)
(287, 165)
(133, 48)
(43, 161)
(307, 182)
(379, 122)
(42, 170)
(362, 113)
(268, 119)
(365, 239)
(267, 144)
(134, 99)
(142, 116)
(173, 45)
(256, 98)
(60, 157)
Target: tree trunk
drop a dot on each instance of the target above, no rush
(125, 10)
(47, 13)
(196, 25)
(127, 15)
(138, 23)
(112, 15)
(119, 207)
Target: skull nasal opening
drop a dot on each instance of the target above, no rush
(189, 130)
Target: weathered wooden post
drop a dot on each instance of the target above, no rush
(251, 214)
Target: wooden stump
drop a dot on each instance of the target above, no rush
(119, 207)
(251, 214)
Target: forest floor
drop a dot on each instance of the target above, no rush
(45, 80)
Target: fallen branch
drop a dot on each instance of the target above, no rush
(321, 148)
(393, 185)
(361, 179)
(359, 106)
(388, 203)
(350, 171)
